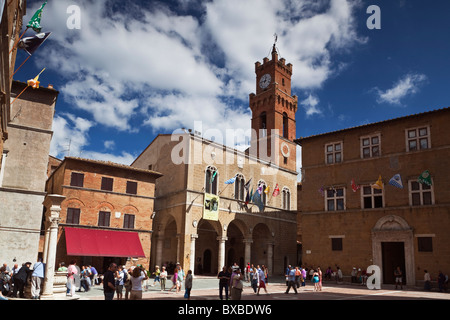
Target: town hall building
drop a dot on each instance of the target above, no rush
(215, 205)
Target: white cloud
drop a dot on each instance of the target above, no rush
(147, 65)
(310, 105)
(408, 85)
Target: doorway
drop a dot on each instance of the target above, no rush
(207, 261)
(393, 256)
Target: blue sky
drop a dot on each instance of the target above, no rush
(138, 68)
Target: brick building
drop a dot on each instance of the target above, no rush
(201, 221)
(378, 223)
(106, 213)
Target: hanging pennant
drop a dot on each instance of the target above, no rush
(379, 184)
(355, 187)
(425, 178)
(396, 181)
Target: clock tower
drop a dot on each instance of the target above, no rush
(273, 113)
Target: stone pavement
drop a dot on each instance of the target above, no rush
(206, 288)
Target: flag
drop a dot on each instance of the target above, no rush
(34, 83)
(425, 178)
(31, 44)
(35, 21)
(266, 191)
(260, 188)
(247, 185)
(322, 191)
(355, 187)
(276, 191)
(247, 198)
(257, 200)
(379, 184)
(213, 176)
(396, 181)
(230, 181)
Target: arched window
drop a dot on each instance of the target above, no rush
(239, 187)
(286, 200)
(263, 124)
(285, 125)
(211, 178)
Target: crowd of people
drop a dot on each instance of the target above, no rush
(136, 279)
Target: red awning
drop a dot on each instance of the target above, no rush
(102, 243)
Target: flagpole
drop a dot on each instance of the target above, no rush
(19, 94)
(15, 44)
(19, 67)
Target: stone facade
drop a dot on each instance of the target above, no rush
(94, 195)
(10, 27)
(408, 226)
(237, 234)
(24, 172)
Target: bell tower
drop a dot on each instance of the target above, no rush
(273, 112)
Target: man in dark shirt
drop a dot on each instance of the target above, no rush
(109, 282)
(224, 277)
(20, 280)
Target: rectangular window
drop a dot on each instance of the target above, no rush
(370, 146)
(77, 179)
(418, 139)
(73, 216)
(335, 199)
(128, 221)
(333, 153)
(107, 184)
(104, 218)
(420, 194)
(131, 187)
(425, 244)
(336, 244)
(372, 198)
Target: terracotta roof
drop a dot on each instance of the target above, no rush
(115, 165)
(299, 140)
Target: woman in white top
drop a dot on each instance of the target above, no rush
(136, 283)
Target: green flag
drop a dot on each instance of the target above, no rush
(425, 178)
(35, 21)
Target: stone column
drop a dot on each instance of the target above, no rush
(270, 256)
(192, 253)
(159, 248)
(221, 255)
(248, 251)
(53, 204)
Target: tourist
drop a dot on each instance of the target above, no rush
(37, 278)
(188, 285)
(127, 282)
(180, 277)
(236, 284)
(303, 278)
(71, 272)
(174, 280)
(298, 275)
(119, 278)
(224, 279)
(163, 278)
(20, 280)
(291, 280)
(62, 267)
(441, 281)
(427, 279)
(353, 275)
(137, 277)
(94, 275)
(109, 282)
(320, 278)
(261, 282)
(398, 278)
(254, 279)
(315, 279)
(157, 274)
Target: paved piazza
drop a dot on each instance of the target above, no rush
(206, 288)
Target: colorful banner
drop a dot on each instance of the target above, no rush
(211, 207)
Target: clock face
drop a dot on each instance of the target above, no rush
(264, 81)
